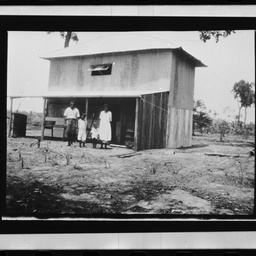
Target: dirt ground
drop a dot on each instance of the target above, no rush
(57, 179)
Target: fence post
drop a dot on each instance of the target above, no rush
(43, 121)
(10, 124)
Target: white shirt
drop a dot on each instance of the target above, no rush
(71, 113)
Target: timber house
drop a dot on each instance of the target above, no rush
(147, 82)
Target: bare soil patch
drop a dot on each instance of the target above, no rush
(57, 179)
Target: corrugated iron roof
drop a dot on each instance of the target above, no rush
(117, 43)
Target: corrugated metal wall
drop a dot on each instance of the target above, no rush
(152, 121)
(180, 112)
(179, 128)
(137, 71)
(181, 84)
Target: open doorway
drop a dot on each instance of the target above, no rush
(123, 117)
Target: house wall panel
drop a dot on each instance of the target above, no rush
(179, 125)
(180, 107)
(140, 71)
(152, 121)
(181, 83)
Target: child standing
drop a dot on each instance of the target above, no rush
(82, 124)
(95, 135)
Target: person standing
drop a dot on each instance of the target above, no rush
(71, 115)
(95, 135)
(82, 125)
(105, 126)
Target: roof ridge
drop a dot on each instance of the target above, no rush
(82, 44)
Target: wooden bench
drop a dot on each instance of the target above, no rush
(58, 123)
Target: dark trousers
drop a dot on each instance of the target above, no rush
(94, 142)
(80, 144)
(70, 132)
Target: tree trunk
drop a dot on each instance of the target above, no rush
(245, 114)
(239, 113)
(221, 136)
(67, 39)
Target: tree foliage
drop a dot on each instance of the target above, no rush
(204, 35)
(201, 118)
(244, 94)
(216, 34)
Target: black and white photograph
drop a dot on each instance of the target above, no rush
(145, 123)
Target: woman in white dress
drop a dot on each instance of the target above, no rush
(105, 126)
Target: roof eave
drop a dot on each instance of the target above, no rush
(196, 62)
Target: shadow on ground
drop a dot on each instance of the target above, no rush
(39, 200)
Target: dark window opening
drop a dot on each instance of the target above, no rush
(101, 69)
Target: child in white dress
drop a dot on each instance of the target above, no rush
(82, 124)
(95, 135)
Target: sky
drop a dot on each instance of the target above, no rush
(228, 61)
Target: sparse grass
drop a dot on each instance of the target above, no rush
(117, 185)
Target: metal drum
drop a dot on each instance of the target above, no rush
(19, 125)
